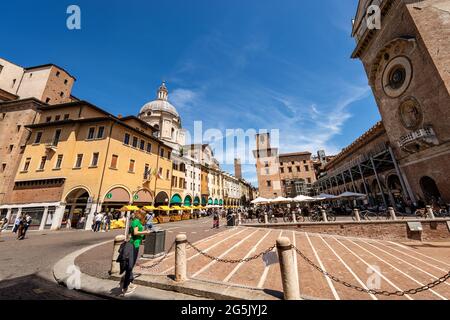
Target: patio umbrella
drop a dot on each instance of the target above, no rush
(301, 198)
(260, 200)
(129, 208)
(324, 196)
(280, 200)
(351, 195)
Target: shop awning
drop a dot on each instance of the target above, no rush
(129, 208)
(176, 208)
(164, 208)
(210, 201)
(149, 208)
(176, 199)
(187, 201)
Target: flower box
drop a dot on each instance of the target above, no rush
(186, 217)
(175, 218)
(163, 219)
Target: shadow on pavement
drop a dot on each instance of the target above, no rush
(35, 287)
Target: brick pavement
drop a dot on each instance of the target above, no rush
(398, 265)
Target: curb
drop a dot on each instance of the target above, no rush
(64, 270)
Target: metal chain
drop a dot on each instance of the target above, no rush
(233, 261)
(160, 260)
(372, 291)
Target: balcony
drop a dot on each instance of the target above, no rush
(418, 140)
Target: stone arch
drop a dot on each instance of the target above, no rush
(430, 189)
(187, 202)
(76, 206)
(118, 193)
(143, 196)
(162, 198)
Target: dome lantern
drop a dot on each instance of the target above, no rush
(163, 93)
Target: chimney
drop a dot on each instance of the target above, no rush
(119, 116)
(237, 168)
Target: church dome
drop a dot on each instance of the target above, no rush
(160, 104)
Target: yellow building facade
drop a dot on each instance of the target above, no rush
(80, 160)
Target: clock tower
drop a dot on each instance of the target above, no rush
(407, 61)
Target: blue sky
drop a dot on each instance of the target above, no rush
(249, 64)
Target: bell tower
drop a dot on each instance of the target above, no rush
(407, 61)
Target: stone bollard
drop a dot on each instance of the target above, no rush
(288, 269)
(180, 258)
(115, 266)
(357, 216)
(266, 219)
(294, 218)
(430, 213)
(239, 218)
(324, 215)
(392, 213)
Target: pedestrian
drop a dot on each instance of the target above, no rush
(16, 223)
(216, 218)
(98, 221)
(108, 219)
(21, 228)
(137, 234)
(28, 221)
(149, 221)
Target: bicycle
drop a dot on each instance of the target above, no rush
(288, 217)
(270, 218)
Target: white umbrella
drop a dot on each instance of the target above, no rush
(351, 195)
(324, 196)
(280, 200)
(302, 198)
(260, 200)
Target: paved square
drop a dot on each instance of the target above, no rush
(398, 266)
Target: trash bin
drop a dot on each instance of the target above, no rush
(154, 245)
(231, 220)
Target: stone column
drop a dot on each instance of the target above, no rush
(392, 213)
(44, 219)
(180, 258)
(58, 216)
(266, 220)
(288, 269)
(239, 218)
(357, 216)
(324, 215)
(294, 218)
(8, 214)
(115, 266)
(90, 217)
(430, 213)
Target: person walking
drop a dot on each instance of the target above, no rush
(28, 221)
(108, 219)
(21, 228)
(149, 221)
(98, 221)
(216, 218)
(16, 223)
(137, 234)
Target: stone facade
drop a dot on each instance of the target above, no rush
(14, 116)
(286, 175)
(407, 63)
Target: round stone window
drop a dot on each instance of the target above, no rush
(411, 114)
(397, 76)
